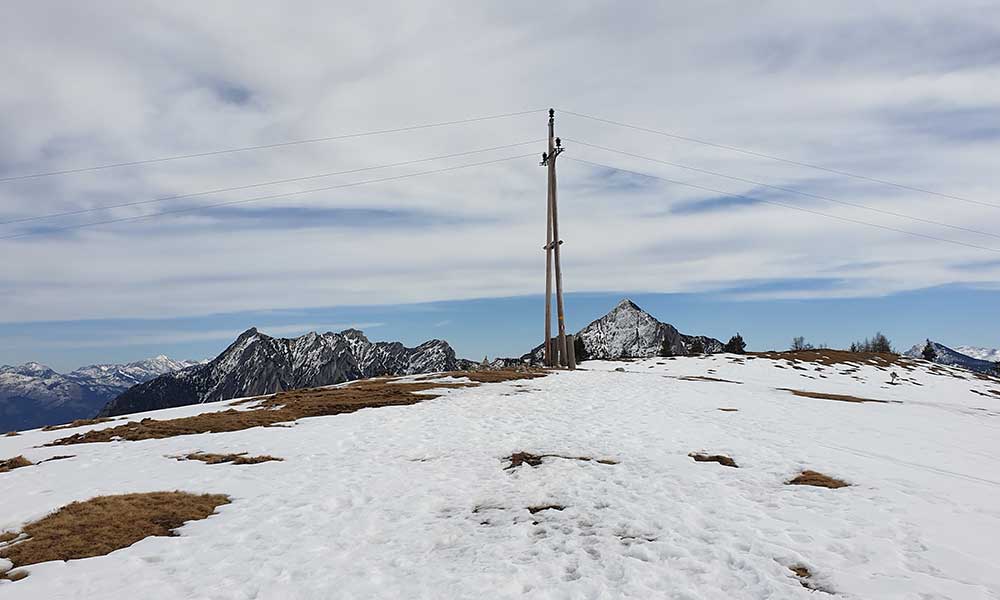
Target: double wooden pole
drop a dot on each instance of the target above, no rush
(562, 353)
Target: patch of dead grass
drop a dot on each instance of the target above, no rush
(293, 405)
(804, 576)
(537, 509)
(817, 479)
(703, 378)
(7, 536)
(77, 423)
(722, 459)
(104, 524)
(825, 396)
(14, 463)
(842, 357)
(11, 434)
(236, 459)
(533, 460)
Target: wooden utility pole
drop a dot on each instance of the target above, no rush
(552, 252)
(548, 358)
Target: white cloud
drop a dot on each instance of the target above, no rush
(827, 88)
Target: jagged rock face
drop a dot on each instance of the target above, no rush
(33, 395)
(948, 356)
(257, 364)
(630, 332)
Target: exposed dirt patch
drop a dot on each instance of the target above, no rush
(824, 396)
(11, 434)
(817, 479)
(729, 409)
(7, 536)
(107, 523)
(236, 459)
(77, 423)
(57, 457)
(290, 406)
(722, 459)
(703, 378)
(533, 460)
(14, 463)
(804, 576)
(538, 509)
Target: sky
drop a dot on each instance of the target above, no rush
(903, 91)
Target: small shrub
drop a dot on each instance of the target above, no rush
(799, 343)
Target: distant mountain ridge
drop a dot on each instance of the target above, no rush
(990, 354)
(257, 364)
(949, 356)
(628, 331)
(34, 395)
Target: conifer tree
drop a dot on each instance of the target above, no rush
(929, 353)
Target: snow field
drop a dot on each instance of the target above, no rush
(414, 501)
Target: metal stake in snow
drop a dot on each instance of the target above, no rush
(552, 244)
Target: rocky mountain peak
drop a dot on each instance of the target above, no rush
(628, 331)
(257, 364)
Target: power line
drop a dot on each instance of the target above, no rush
(261, 184)
(265, 146)
(781, 159)
(785, 189)
(259, 198)
(793, 207)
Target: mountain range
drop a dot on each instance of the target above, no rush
(949, 356)
(257, 364)
(33, 395)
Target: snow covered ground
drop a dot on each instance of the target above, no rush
(414, 501)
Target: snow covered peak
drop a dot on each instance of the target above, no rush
(948, 356)
(990, 354)
(34, 369)
(355, 334)
(627, 304)
(628, 331)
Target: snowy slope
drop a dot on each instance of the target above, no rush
(949, 356)
(257, 363)
(33, 395)
(414, 502)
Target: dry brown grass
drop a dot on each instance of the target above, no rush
(703, 378)
(824, 396)
(533, 460)
(11, 434)
(7, 536)
(107, 523)
(77, 423)
(290, 406)
(817, 479)
(236, 459)
(14, 463)
(538, 509)
(722, 459)
(842, 357)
